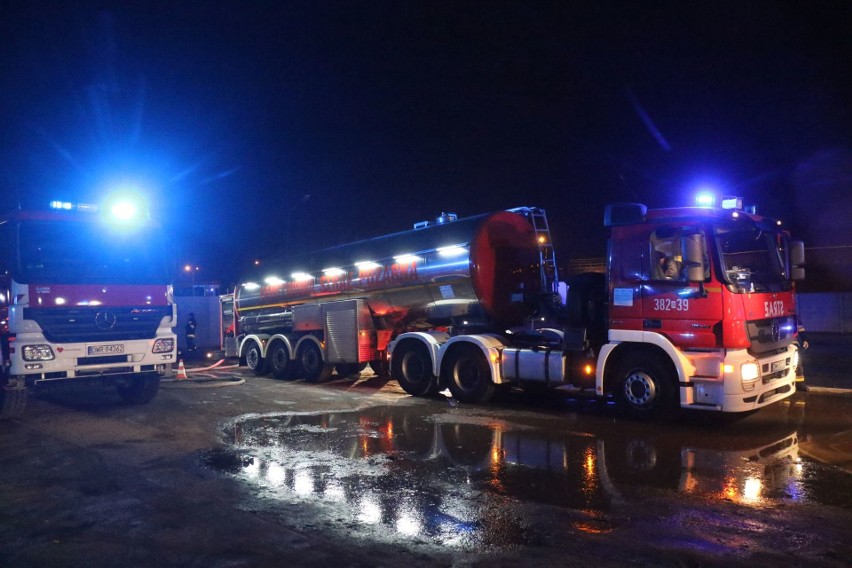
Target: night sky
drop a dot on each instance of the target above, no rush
(254, 126)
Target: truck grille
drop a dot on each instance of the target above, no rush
(771, 335)
(98, 323)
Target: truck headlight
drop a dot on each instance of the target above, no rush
(163, 346)
(40, 352)
(749, 373)
(795, 363)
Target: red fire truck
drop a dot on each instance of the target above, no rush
(696, 310)
(83, 294)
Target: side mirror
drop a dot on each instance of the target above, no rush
(694, 257)
(797, 260)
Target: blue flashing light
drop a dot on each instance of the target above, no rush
(124, 210)
(705, 199)
(63, 205)
(69, 206)
(735, 203)
(125, 207)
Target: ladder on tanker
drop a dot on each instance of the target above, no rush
(547, 257)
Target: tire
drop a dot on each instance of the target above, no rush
(412, 368)
(141, 389)
(466, 372)
(12, 402)
(645, 387)
(278, 358)
(254, 361)
(349, 370)
(312, 367)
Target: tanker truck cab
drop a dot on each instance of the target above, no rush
(701, 310)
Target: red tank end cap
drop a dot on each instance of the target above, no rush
(504, 262)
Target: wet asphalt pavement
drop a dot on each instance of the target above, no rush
(270, 473)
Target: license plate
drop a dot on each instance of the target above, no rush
(105, 349)
(778, 365)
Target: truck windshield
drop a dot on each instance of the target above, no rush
(750, 258)
(89, 253)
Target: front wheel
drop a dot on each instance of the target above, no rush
(313, 367)
(411, 366)
(141, 388)
(255, 361)
(466, 372)
(646, 388)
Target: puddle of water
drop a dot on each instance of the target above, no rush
(453, 476)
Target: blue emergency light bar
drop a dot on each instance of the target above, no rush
(68, 206)
(122, 210)
(705, 200)
(708, 199)
(732, 203)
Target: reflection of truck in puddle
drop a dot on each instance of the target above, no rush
(443, 476)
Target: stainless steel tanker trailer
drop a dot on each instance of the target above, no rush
(432, 303)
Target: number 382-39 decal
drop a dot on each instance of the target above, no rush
(671, 305)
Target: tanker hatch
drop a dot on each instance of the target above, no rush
(442, 219)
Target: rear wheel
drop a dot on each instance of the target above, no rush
(141, 388)
(312, 366)
(350, 370)
(12, 402)
(412, 368)
(646, 387)
(280, 364)
(255, 361)
(466, 372)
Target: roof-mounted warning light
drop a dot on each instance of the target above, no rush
(705, 199)
(124, 210)
(735, 203)
(68, 206)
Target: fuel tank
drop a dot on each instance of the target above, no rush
(477, 272)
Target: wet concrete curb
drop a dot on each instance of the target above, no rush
(830, 391)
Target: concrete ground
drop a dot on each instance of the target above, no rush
(343, 473)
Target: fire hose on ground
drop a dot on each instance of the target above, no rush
(182, 379)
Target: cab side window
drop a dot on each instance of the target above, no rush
(666, 255)
(668, 250)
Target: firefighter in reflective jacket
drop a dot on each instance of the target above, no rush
(191, 324)
(802, 342)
